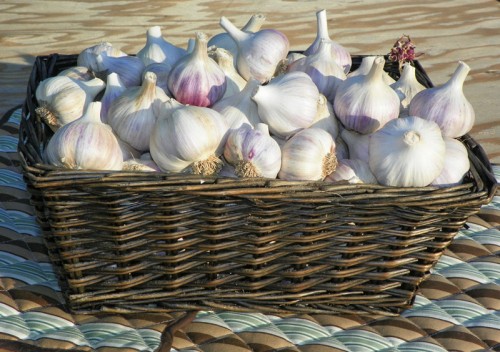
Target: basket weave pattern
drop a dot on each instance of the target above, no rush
(132, 241)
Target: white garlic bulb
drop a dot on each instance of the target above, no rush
(253, 152)
(407, 152)
(342, 55)
(85, 144)
(325, 117)
(196, 79)
(159, 50)
(129, 68)
(365, 103)
(358, 144)
(234, 82)
(446, 105)
(162, 71)
(321, 66)
(88, 56)
(62, 99)
(133, 114)
(456, 164)
(407, 87)
(259, 53)
(365, 67)
(189, 139)
(309, 155)
(239, 109)
(224, 41)
(114, 88)
(352, 171)
(288, 103)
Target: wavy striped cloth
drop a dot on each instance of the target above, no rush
(456, 309)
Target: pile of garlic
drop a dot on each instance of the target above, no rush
(239, 104)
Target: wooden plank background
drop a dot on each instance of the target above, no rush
(446, 31)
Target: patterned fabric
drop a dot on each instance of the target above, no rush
(456, 309)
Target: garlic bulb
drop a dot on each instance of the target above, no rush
(259, 53)
(341, 54)
(80, 73)
(239, 108)
(189, 139)
(365, 67)
(114, 88)
(352, 171)
(158, 50)
(196, 79)
(88, 56)
(321, 66)
(358, 144)
(85, 144)
(162, 71)
(133, 114)
(62, 99)
(407, 87)
(446, 105)
(234, 82)
(407, 152)
(294, 56)
(325, 117)
(341, 150)
(224, 41)
(253, 152)
(365, 103)
(456, 164)
(129, 68)
(309, 155)
(128, 152)
(287, 103)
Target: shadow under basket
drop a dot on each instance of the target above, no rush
(128, 242)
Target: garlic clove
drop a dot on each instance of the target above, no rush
(159, 50)
(365, 67)
(325, 117)
(253, 152)
(365, 103)
(309, 155)
(129, 68)
(133, 114)
(352, 171)
(85, 144)
(259, 53)
(456, 164)
(446, 105)
(196, 79)
(357, 144)
(407, 87)
(407, 152)
(235, 83)
(288, 103)
(88, 56)
(341, 54)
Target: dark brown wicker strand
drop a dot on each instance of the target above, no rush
(155, 242)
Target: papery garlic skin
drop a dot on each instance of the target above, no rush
(407, 87)
(62, 99)
(309, 155)
(114, 88)
(288, 103)
(358, 144)
(189, 139)
(446, 105)
(259, 53)
(80, 73)
(234, 82)
(133, 114)
(158, 50)
(352, 171)
(341, 149)
(407, 152)
(162, 71)
(85, 144)
(325, 117)
(253, 152)
(88, 56)
(196, 79)
(365, 67)
(140, 165)
(456, 164)
(365, 103)
(239, 108)
(341, 54)
(129, 68)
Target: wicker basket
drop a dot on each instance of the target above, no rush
(130, 241)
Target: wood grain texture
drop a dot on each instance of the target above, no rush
(446, 31)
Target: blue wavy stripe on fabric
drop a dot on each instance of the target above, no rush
(9, 178)
(483, 236)
(8, 144)
(301, 331)
(15, 117)
(28, 272)
(488, 269)
(19, 222)
(464, 271)
(491, 320)
(151, 338)
(419, 346)
(423, 307)
(113, 335)
(14, 325)
(362, 340)
(463, 311)
(69, 333)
